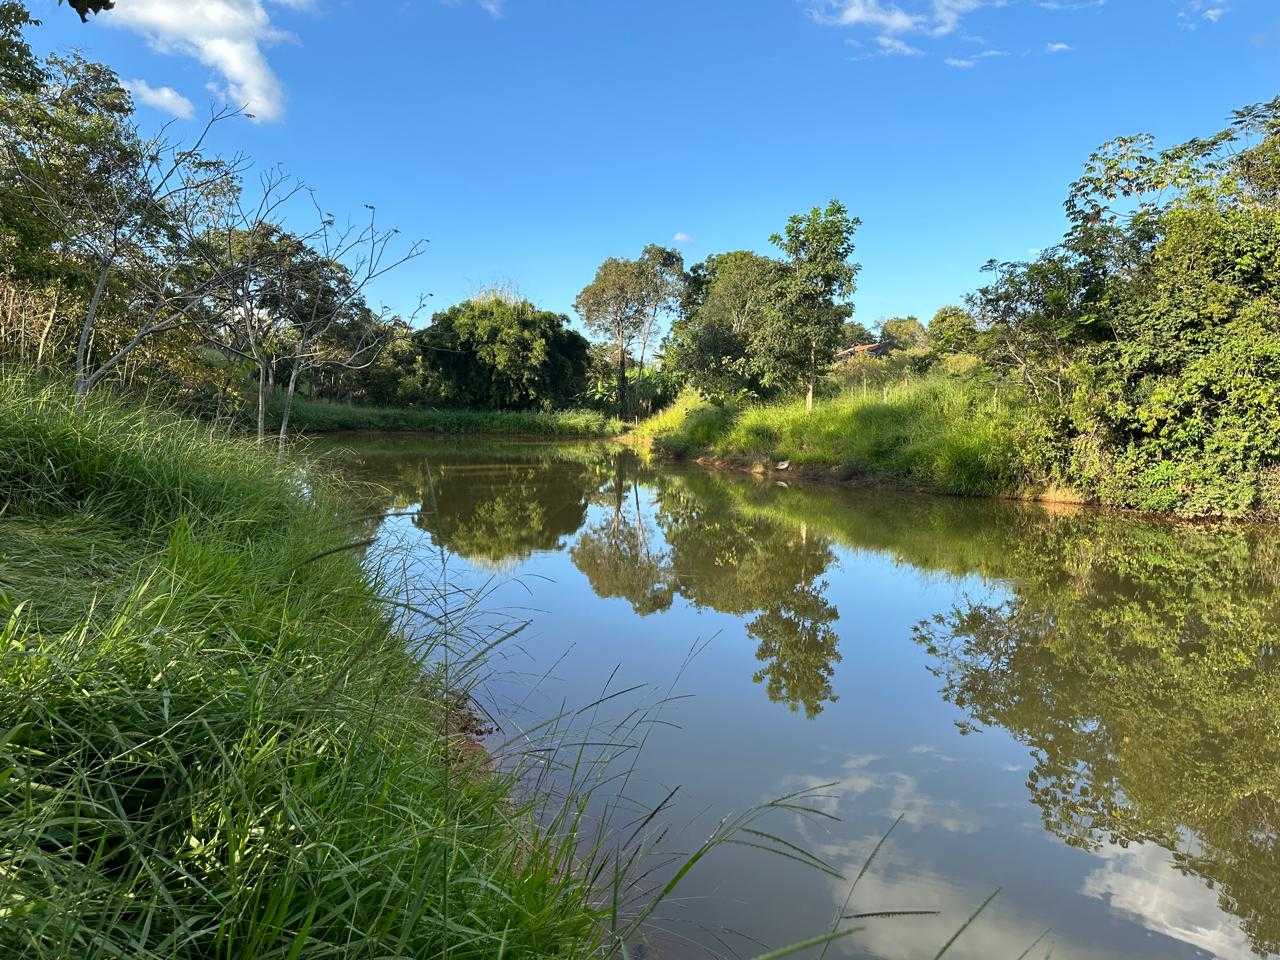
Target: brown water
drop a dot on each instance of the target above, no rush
(1082, 710)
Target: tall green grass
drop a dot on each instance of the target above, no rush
(222, 749)
(321, 416)
(941, 434)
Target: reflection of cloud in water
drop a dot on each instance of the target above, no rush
(898, 883)
(899, 880)
(1141, 882)
(901, 791)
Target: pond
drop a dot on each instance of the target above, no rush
(1079, 709)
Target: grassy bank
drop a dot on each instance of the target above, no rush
(937, 434)
(320, 416)
(212, 743)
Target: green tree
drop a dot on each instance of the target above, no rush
(500, 353)
(798, 344)
(617, 306)
(664, 270)
(710, 347)
(904, 333)
(1149, 339)
(952, 330)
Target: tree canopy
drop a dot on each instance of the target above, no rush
(500, 353)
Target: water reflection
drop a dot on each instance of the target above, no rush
(1139, 663)
(1135, 661)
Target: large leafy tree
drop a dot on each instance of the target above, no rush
(501, 353)
(733, 295)
(797, 345)
(952, 330)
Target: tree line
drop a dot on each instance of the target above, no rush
(1143, 349)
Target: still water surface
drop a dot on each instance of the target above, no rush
(1079, 709)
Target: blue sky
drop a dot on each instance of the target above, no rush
(529, 139)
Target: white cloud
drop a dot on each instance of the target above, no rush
(1058, 47)
(1141, 881)
(227, 35)
(165, 99)
(682, 238)
(872, 13)
(937, 18)
(893, 47)
(958, 63)
(1193, 11)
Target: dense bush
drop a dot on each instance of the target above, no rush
(1149, 340)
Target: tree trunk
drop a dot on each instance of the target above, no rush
(813, 363)
(44, 336)
(622, 381)
(262, 400)
(86, 334)
(288, 405)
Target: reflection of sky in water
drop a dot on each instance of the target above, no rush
(884, 741)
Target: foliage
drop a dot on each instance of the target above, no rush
(649, 389)
(624, 300)
(712, 345)
(494, 353)
(1149, 338)
(953, 330)
(797, 343)
(904, 333)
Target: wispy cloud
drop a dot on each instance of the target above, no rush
(1070, 5)
(893, 47)
(1144, 883)
(904, 29)
(960, 64)
(682, 238)
(1058, 47)
(937, 18)
(229, 36)
(1195, 12)
(165, 99)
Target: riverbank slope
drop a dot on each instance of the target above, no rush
(938, 435)
(213, 741)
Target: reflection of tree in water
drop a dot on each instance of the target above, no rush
(621, 556)
(493, 510)
(497, 510)
(1140, 663)
(498, 514)
(717, 558)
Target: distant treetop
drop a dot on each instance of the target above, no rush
(86, 7)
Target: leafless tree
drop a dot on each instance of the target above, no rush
(130, 226)
(328, 289)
